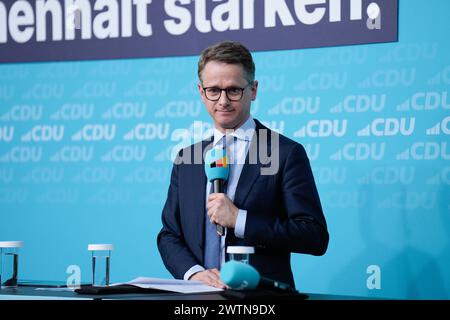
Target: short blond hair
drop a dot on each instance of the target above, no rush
(230, 52)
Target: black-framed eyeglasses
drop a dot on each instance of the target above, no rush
(233, 93)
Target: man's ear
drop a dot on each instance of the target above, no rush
(200, 89)
(254, 90)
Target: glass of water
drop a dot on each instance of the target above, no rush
(240, 253)
(101, 256)
(9, 263)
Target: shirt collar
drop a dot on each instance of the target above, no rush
(244, 132)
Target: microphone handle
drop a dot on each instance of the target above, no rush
(218, 187)
(277, 285)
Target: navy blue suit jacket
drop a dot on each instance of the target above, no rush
(284, 213)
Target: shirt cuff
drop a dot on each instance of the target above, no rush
(191, 271)
(239, 228)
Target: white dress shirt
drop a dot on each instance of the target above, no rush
(238, 143)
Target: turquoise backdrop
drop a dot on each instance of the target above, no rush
(86, 149)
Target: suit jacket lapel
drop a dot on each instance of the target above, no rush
(250, 172)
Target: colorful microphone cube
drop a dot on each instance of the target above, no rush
(216, 164)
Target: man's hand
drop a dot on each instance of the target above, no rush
(221, 210)
(211, 277)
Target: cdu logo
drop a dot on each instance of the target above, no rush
(73, 154)
(324, 81)
(424, 101)
(381, 127)
(14, 195)
(23, 113)
(126, 110)
(22, 154)
(125, 153)
(390, 78)
(411, 52)
(346, 199)
(296, 105)
(351, 55)
(425, 151)
(48, 175)
(44, 133)
(148, 88)
(360, 151)
(361, 104)
(95, 132)
(148, 175)
(322, 128)
(330, 175)
(74, 111)
(96, 89)
(388, 176)
(180, 109)
(410, 200)
(45, 91)
(95, 175)
(148, 131)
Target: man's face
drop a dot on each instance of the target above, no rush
(225, 113)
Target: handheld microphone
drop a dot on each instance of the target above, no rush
(217, 170)
(238, 275)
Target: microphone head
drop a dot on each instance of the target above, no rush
(216, 164)
(239, 275)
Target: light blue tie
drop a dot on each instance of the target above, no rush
(212, 244)
(212, 239)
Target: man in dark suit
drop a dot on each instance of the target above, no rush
(271, 201)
